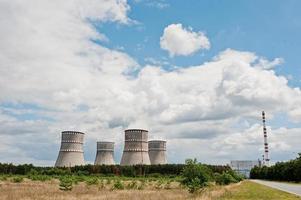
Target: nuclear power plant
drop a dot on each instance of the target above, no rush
(135, 148)
(104, 153)
(157, 152)
(71, 152)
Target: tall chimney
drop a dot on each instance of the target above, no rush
(266, 146)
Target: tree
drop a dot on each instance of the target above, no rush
(195, 176)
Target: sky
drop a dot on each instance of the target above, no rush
(195, 73)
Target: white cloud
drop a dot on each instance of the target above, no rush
(178, 40)
(159, 4)
(265, 64)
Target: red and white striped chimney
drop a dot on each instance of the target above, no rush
(266, 146)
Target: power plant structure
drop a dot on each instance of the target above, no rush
(105, 153)
(157, 152)
(266, 158)
(244, 166)
(71, 152)
(135, 148)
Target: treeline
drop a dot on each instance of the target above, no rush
(106, 170)
(281, 171)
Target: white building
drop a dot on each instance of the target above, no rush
(244, 166)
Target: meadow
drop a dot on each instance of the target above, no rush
(21, 187)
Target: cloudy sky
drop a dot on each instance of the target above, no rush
(196, 73)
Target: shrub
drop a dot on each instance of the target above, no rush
(101, 184)
(92, 181)
(142, 185)
(66, 183)
(118, 185)
(3, 178)
(237, 176)
(159, 184)
(194, 185)
(33, 172)
(195, 176)
(132, 185)
(17, 179)
(39, 177)
(224, 179)
(82, 173)
(77, 179)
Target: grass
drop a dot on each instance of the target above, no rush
(92, 188)
(252, 191)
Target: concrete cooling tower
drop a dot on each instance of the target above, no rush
(71, 152)
(135, 148)
(105, 153)
(157, 152)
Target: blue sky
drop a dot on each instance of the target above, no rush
(271, 29)
(195, 73)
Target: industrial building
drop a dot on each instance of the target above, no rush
(157, 152)
(244, 166)
(135, 147)
(71, 152)
(104, 153)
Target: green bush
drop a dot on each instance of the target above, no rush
(237, 176)
(224, 179)
(39, 177)
(17, 179)
(77, 179)
(3, 178)
(92, 181)
(118, 185)
(195, 176)
(82, 173)
(194, 185)
(66, 183)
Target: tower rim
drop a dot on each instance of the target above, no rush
(157, 141)
(135, 129)
(73, 132)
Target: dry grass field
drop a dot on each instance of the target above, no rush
(49, 190)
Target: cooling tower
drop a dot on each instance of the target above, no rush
(71, 152)
(135, 147)
(157, 152)
(105, 153)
